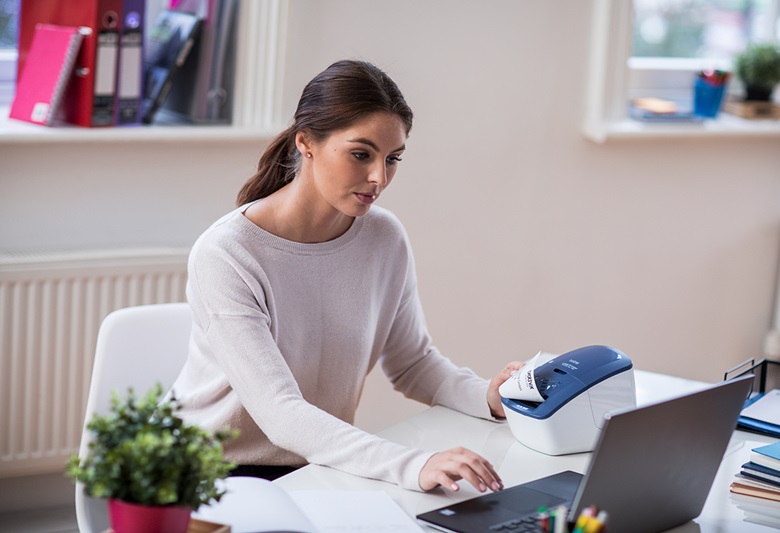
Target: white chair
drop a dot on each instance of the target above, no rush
(136, 347)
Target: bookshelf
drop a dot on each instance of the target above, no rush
(262, 27)
(15, 132)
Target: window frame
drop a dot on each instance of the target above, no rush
(665, 75)
(8, 58)
(612, 81)
(7, 76)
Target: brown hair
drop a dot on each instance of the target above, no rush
(336, 98)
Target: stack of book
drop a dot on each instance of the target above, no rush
(653, 109)
(759, 480)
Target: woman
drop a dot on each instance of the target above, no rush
(302, 289)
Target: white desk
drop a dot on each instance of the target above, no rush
(439, 428)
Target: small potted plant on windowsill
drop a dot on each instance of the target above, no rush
(759, 69)
(152, 467)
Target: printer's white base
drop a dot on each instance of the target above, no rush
(576, 426)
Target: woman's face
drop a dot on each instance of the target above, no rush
(352, 167)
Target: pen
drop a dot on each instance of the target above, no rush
(584, 518)
(715, 78)
(561, 517)
(596, 524)
(544, 519)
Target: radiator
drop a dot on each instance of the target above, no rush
(51, 306)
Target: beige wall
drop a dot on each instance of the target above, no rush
(527, 236)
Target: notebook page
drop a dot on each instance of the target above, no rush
(344, 511)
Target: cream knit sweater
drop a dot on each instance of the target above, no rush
(284, 334)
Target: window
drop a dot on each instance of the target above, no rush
(9, 10)
(671, 40)
(705, 29)
(656, 48)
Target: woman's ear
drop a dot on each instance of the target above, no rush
(303, 144)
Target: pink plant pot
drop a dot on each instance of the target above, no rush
(134, 518)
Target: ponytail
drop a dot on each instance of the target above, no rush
(277, 167)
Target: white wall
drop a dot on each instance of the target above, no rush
(527, 236)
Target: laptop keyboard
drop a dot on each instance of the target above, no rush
(526, 524)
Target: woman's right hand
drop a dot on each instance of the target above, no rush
(445, 468)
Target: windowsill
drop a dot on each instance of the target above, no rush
(725, 125)
(19, 132)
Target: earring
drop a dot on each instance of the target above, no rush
(308, 154)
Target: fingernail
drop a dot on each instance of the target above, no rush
(454, 486)
(482, 487)
(496, 486)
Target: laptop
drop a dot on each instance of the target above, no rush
(652, 470)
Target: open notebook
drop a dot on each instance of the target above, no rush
(652, 469)
(253, 505)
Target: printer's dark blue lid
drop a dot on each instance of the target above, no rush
(569, 375)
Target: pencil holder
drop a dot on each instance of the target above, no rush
(707, 98)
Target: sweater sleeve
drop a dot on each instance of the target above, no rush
(417, 369)
(226, 300)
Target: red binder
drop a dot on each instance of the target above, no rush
(48, 67)
(90, 98)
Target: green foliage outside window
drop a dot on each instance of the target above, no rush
(681, 36)
(708, 29)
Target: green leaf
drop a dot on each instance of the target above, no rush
(143, 452)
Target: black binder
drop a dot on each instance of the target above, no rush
(203, 90)
(171, 40)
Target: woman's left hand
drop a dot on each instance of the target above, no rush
(493, 397)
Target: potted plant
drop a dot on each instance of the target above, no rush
(153, 468)
(759, 69)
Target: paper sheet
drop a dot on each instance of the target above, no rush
(766, 408)
(254, 505)
(345, 511)
(522, 385)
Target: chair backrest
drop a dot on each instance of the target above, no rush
(136, 347)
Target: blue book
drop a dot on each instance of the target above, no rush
(768, 456)
(757, 471)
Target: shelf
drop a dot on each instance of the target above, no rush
(261, 31)
(18, 132)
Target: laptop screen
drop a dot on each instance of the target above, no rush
(654, 465)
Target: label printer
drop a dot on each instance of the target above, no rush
(576, 390)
